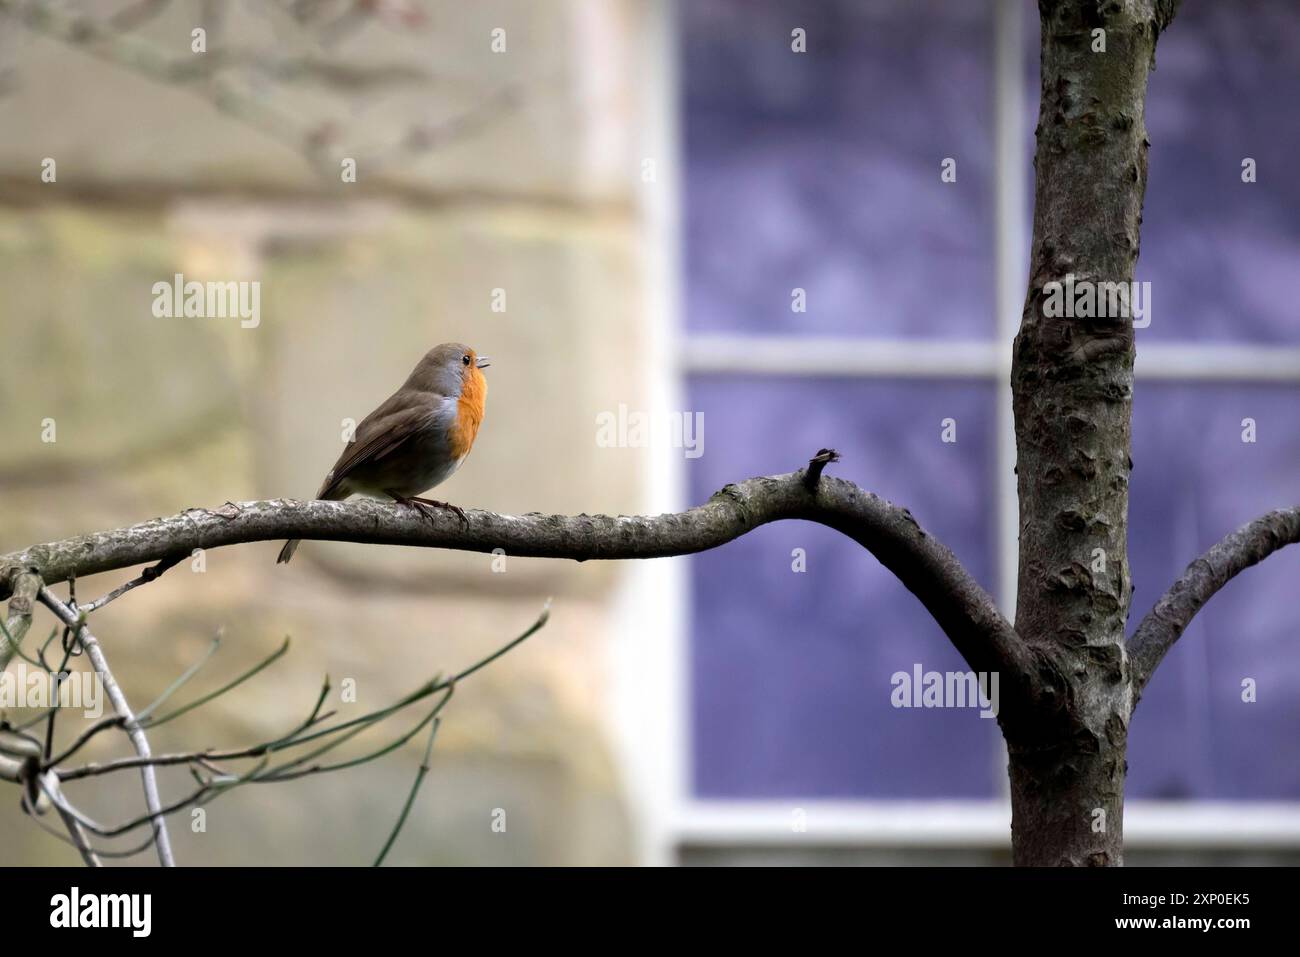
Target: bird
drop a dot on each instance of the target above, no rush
(417, 438)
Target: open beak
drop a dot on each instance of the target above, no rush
(483, 362)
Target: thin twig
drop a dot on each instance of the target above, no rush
(813, 473)
(298, 735)
(50, 784)
(103, 724)
(186, 675)
(13, 647)
(138, 739)
(27, 808)
(533, 629)
(152, 573)
(233, 683)
(207, 791)
(410, 798)
(78, 823)
(58, 677)
(283, 774)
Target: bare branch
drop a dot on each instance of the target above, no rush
(152, 573)
(120, 705)
(10, 770)
(288, 772)
(813, 473)
(410, 798)
(18, 744)
(925, 566)
(206, 791)
(103, 724)
(144, 715)
(211, 695)
(79, 840)
(23, 746)
(54, 705)
(1170, 616)
(26, 585)
(50, 784)
(68, 816)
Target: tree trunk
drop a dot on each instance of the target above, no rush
(1072, 380)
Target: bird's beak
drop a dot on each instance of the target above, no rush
(483, 362)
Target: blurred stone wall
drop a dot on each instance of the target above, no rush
(538, 196)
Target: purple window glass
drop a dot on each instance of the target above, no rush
(821, 170)
(1223, 256)
(791, 670)
(1195, 480)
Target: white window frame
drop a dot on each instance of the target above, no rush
(651, 655)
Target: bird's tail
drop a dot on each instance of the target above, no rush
(329, 492)
(286, 553)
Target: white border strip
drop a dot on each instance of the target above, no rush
(963, 359)
(979, 824)
(856, 358)
(1225, 363)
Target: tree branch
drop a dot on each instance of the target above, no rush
(25, 587)
(1169, 618)
(138, 740)
(152, 573)
(965, 612)
(11, 770)
(79, 839)
(410, 798)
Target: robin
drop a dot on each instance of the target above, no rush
(417, 438)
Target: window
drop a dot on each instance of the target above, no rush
(838, 292)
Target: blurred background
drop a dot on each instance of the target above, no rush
(651, 207)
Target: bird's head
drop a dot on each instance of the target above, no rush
(451, 369)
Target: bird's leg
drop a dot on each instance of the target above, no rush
(426, 506)
(434, 503)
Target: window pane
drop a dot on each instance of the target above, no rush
(791, 670)
(1194, 481)
(821, 170)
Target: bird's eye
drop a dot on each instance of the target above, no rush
(464, 360)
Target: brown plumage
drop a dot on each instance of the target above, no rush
(417, 438)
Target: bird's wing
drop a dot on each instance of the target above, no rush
(380, 434)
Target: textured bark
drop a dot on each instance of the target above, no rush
(24, 589)
(1165, 623)
(1072, 380)
(922, 563)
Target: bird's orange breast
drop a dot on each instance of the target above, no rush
(469, 413)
